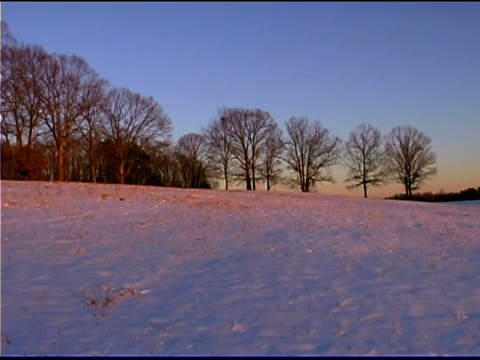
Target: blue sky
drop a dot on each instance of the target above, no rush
(342, 63)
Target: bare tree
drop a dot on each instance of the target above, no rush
(21, 108)
(166, 167)
(409, 157)
(260, 123)
(238, 120)
(191, 157)
(70, 92)
(132, 119)
(218, 140)
(91, 127)
(310, 151)
(272, 155)
(7, 37)
(249, 129)
(364, 157)
(21, 70)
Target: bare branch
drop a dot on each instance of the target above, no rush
(7, 38)
(248, 130)
(409, 157)
(191, 155)
(218, 140)
(364, 158)
(131, 119)
(310, 151)
(273, 149)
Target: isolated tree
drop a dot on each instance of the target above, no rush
(131, 118)
(364, 158)
(273, 149)
(249, 130)
(409, 157)
(310, 151)
(218, 140)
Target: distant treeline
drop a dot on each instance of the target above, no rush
(62, 121)
(467, 194)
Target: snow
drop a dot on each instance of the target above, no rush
(125, 270)
(467, 202)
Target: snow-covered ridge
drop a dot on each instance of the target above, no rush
(110, 269)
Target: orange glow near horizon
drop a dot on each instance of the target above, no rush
(455, 180)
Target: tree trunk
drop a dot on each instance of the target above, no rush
(225, 173)
(302, 180)
(93, 166)
(253, 176)
(268, 183)
(307, 185)
(122, 172)
(364, 175)
(247, 179)
(94, 173)
(61, 162)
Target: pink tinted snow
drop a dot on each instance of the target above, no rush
(174, 271)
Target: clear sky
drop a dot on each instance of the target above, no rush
(342, 63)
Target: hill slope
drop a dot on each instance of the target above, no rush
(110, 269)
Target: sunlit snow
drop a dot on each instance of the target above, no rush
(110, 269)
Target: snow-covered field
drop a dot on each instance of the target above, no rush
(110, 269)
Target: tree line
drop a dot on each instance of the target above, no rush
(464, 195)
(61, 121)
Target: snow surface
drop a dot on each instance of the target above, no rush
(173, 271)
(467, 202)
